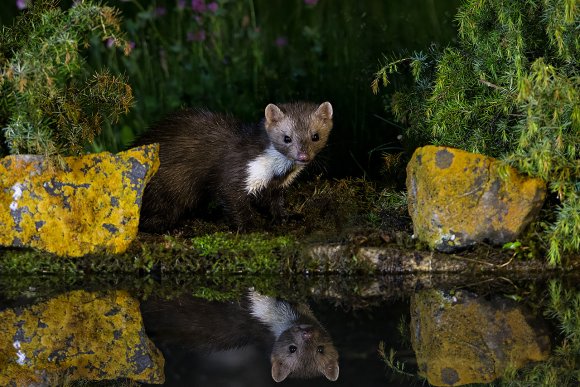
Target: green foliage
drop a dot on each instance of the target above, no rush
(190, 55)
(520, 251)
(244, 253)
(32, 262)
(548, 144)
(51, 104)
(508, 89)
(390, 200)
(563, 367)
(397, 367)
(183, 56)
(246, 54)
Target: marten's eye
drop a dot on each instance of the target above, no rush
(287, 139)
(315, 137)
(320, 349)
(292, 348)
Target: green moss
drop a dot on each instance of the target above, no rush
(211, 294)
(31, 262)
(253, 253)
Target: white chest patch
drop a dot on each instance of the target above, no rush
(265, 167)
(278, 315)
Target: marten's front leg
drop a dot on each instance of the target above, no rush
(276, 205)
(238, 209)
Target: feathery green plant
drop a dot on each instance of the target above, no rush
(51, 104)
(508, 89)
(563, 366)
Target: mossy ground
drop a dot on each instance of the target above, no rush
(209, 260)
(205, 255)
(321, 211)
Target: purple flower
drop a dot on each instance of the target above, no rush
(213, 6)
(310, 2)
(180, 4)
(281, 41)
(131, 45)
(110, 42)
(160, 11)
(198, 6)
(21, 4)
(198, 36)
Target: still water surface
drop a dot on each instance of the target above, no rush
(355, 335)
(444, 329)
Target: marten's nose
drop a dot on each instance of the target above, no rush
(303, 157)
(307, 331)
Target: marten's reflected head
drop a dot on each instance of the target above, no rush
(298, 344)
(304, 351)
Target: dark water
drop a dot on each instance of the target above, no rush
(356, 335)
(405, 313)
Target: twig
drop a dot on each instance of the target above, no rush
(487, 83)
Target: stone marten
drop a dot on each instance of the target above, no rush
(205, 154)
(298, 345)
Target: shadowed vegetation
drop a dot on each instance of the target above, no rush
(508, 88)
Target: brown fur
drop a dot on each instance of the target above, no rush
(206, 154)
(299, 346)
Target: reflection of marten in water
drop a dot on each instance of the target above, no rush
(300, 346)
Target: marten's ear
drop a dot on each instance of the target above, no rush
(330, 370)
(324, 110)
(280, 371)
(273, 113)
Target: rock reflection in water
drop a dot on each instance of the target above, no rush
(77, 335)
(288, 333)
(462, 338)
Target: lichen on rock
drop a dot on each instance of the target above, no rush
(457, 199)
(462, 338)
(77, 335)
(92, 204)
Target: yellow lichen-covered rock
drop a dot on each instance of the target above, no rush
(457, 198)
(90, 205)
(462, 339)
(78, 335)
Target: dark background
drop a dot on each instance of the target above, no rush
(261, 51)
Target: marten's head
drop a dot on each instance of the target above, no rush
(304, 351)
(299, 130)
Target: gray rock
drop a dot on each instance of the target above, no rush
(457, 199)
(462, 338)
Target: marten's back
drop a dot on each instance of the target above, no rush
(213, 154)
(198, 152)
(299, 345)
(202, 325)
